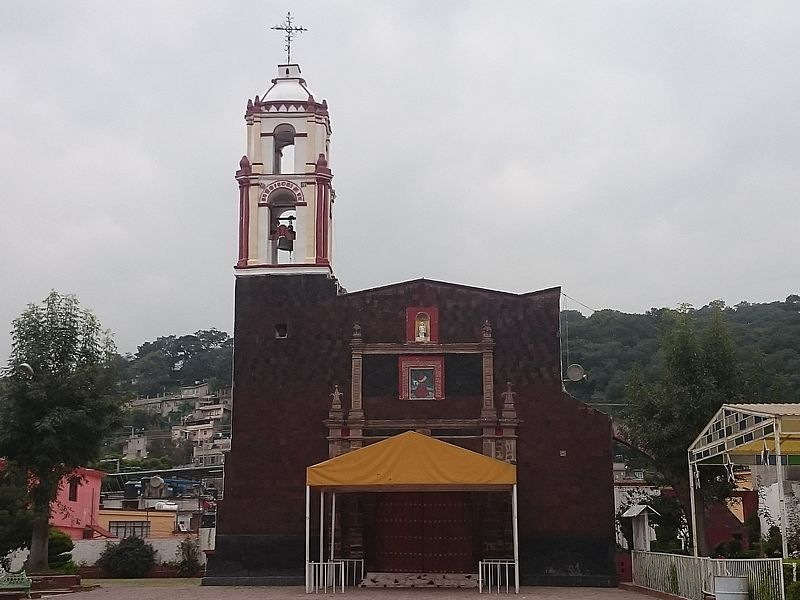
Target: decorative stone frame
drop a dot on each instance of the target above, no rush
(407, 363)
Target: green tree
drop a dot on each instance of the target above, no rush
(153, 373)
(55, 421)
(15, 518)
(665, 414)
(177, 453)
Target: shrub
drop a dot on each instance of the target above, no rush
(59, 545)
(188, 558)
(68, 568)
(793, 591)
(131, 557)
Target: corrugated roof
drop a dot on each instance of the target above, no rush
(768, 409)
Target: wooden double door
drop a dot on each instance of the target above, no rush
(423, 532)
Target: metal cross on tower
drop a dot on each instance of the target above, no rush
(290, 30)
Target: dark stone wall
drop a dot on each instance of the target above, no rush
(282, 389)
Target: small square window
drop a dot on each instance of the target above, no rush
(281, 331)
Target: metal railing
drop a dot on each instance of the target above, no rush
(672, 573)
(764, 575)
(494, 574)
(353, 570)
(321, 576)
(692, 577)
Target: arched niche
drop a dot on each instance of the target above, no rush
(283, 160)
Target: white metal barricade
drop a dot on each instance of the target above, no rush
(353, 570)
(494, 574)
(321, 576)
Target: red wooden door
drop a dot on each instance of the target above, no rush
(423, 532)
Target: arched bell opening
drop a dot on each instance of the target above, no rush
(283, 226)
(283, 144)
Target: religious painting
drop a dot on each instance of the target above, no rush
(422, 324)
(421, 377)
(421, 383)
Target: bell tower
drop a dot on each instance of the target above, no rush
(285, 193)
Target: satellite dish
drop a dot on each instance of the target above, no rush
(575, 372)
(156, 482)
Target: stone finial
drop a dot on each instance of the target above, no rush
(321, 166)
(336, 403)
(244, 167)
(509, 412)
(486, 330)
(356, 331)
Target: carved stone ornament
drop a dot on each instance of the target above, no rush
(356, 331)
(486, 330)
(336, 403)
(508, 399)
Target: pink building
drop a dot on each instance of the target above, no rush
(75, 510)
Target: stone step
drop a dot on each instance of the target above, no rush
(420, 580)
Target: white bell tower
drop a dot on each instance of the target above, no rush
(285, 193)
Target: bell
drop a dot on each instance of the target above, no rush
(285, 244)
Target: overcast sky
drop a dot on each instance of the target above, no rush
(639, 154)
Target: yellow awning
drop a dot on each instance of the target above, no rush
(789, 445)
(412, 461)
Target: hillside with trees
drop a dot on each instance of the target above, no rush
(609, 344)
(163, 365)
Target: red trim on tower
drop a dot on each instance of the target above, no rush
(243, 177)
(322, 263)
(320, 224)
(326, 220)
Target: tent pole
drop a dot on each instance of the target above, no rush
(333, 520)
(515, 532)
(308, 539)
(321, 525)
(781, 494)
(692, 507)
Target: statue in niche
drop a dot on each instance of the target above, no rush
(422, 327)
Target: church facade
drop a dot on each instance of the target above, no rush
(320, 372)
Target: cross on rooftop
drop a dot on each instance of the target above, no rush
(291, 31)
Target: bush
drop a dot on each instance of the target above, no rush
(68, 568)
(131, 557)
(188, 563)
(59, 545)
(793, 591)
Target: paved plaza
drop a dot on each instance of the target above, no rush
(189, 590)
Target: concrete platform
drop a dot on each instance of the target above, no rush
(190, 590)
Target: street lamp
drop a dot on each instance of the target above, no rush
(6, 371)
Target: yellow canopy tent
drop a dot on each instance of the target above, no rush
(412, 461)
(409, 461)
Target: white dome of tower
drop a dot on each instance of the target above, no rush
(288, 85)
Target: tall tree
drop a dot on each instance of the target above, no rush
(55, 420)
(15, 518)
(698, 374)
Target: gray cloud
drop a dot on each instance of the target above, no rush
(638, 154)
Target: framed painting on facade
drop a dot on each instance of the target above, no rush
(421, 377)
